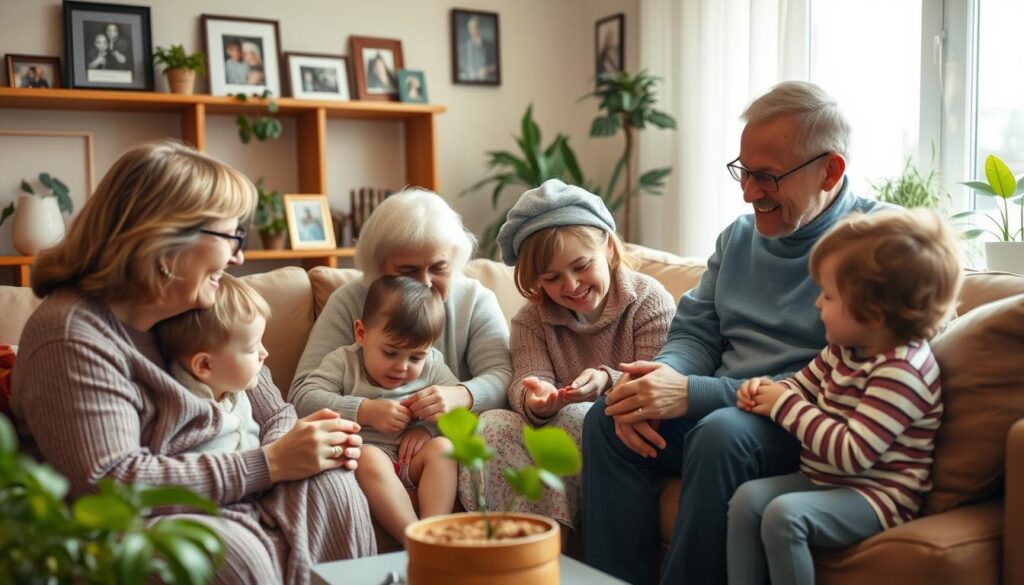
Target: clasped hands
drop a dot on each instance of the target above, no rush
(391, 417)
(758, 395)
(646, 393)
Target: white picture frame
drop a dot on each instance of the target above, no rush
(243, 55)
(317, 76)
(309, 222)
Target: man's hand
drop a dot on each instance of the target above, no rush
(386, 416)
(648, 391)
(640, 437)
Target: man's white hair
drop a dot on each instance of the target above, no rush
(821, 126)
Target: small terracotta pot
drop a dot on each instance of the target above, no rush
(181, 80)
(273, 241)
(531, 559)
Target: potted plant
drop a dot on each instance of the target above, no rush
(38, 223)
(270, 217)
(486, 547)
(263, 125)
(104, 537)
(913, 188)
(180, 67)
(1006, 254)
(627, 102)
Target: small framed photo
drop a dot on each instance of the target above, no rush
(242, 54)
(476, 48)
(412, 86)
(609, 36)
(309, 222)
(108, 46)
(315, 76)
(376, 62)
(33, 71)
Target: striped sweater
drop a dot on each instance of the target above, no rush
(867, 424)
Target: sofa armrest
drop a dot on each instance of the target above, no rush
(1013, 526)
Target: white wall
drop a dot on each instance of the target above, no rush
(546, 58)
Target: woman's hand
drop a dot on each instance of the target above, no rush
(542, 398)
(587, 386)
(648, 391)
(432, 402)
(411, 443)
(386, 416)
(320, 441)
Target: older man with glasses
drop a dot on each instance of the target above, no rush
(752, 313)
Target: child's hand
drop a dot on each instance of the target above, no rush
(411, 443)
(542, 398)
(766, 396)
(748, 389)
(387, 416)
(586, 387)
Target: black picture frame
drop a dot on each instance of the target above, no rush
(107, 46)
(609, 44)
(466, 50)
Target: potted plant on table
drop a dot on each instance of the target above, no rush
(180, 67)
(270, 217)
(1006, 253)
(497, 548)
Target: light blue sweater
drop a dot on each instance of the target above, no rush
(752, 314)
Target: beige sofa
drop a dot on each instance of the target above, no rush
(974, 532)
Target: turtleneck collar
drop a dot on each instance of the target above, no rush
(843, 204)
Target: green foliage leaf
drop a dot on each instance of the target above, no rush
(197, 532)
(605, 126)
(26, 188)
(661, 119)
(553, 449)
(458, 424)
(133, 562)
(571, 164)
(104, 512)
(45, 479)
(153, 497)
(525, 482)
(8, 438)
(999, 177)
(551, 480)
(176, 58)
(185, 558)
(653, 180)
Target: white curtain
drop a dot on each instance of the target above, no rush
(714, 57)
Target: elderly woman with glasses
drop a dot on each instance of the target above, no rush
(753, 311)
(93, 397)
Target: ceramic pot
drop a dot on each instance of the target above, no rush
(38, 224)
(1005, 256)
(530, 559)
(273, 241)
(181, 80)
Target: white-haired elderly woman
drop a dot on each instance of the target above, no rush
(415, 233)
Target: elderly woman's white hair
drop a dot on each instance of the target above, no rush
(412, 219)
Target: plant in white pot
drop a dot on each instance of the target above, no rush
(38, 223)
(180, 67)
(499, 548)
(1006, 253)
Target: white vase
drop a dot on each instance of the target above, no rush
(1005, 256)
(38, 224)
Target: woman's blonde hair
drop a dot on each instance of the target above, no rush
(148, 208)
(902, 267)
(411, 219)
(537, 252)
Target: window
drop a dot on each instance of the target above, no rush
(1000, 89)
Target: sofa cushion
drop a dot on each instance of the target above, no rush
(979, 355)
(980, 288)
(676, 273)
(288, 292)
(18, 304)
(327, 280)
(500, 279)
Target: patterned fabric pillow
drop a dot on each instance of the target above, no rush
(7, 353)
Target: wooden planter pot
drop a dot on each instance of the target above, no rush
(531, 559)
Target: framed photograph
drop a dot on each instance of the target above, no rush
(412, 86)
(608, 44)
(33, 71)
(309, 221)
(476, 48)
(316, 76)
(242, 54)
(108, 46)
(376, 62)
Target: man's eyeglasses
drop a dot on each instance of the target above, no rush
(765, 181)
(237, 239)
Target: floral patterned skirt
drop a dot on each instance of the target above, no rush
(503, 431)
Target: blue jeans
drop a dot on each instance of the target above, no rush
(621, 491)
(774, 521)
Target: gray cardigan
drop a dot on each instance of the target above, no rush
(474, 342)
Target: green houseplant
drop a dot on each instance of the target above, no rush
(270, 218)
(1007, 252)
(100, 538)
(180, 67)
(912, 188)
(627, 103)
(488, 547)
(262, 125)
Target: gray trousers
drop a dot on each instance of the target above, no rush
(774, 521)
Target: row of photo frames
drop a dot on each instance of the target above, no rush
(109, 46)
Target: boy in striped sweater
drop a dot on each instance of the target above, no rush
(865, 410)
